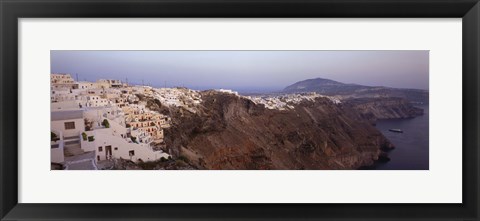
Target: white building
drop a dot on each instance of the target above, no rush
(107, 145)
(87, 85)
(62, 81)
(56, 148)
(69, 122)
(95, 101)
(227, 91)
(108, 83)
(66, 126)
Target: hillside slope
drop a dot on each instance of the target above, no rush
(231, 132)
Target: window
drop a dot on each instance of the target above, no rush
(100, 149)
(69, 125)
(131, 153)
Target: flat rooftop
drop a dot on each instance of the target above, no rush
(66, 115)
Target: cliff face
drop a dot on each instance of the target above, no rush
(384, 108)
(229, 132)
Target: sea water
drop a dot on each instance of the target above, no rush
(411, 147)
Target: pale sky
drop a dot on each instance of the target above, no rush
(247, 71)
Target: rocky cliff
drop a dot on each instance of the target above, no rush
(231, 132)
(384, 108)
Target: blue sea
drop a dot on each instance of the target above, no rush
(411, 147)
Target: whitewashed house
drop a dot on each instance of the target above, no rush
(69, 122)
(57, 148)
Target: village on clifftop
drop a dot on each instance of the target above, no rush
(95, 123)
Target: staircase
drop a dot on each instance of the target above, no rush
(85, 161)
(72, 147)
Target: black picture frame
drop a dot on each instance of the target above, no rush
(12, 10)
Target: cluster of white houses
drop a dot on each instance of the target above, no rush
(286, 101)
(104, 119)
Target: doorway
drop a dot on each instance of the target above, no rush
(108, 152)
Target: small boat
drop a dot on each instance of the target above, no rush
(396, 130)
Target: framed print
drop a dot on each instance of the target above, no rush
(239, 110)
(111, 124)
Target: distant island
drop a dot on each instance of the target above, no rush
(349, 91)
(311, 124)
